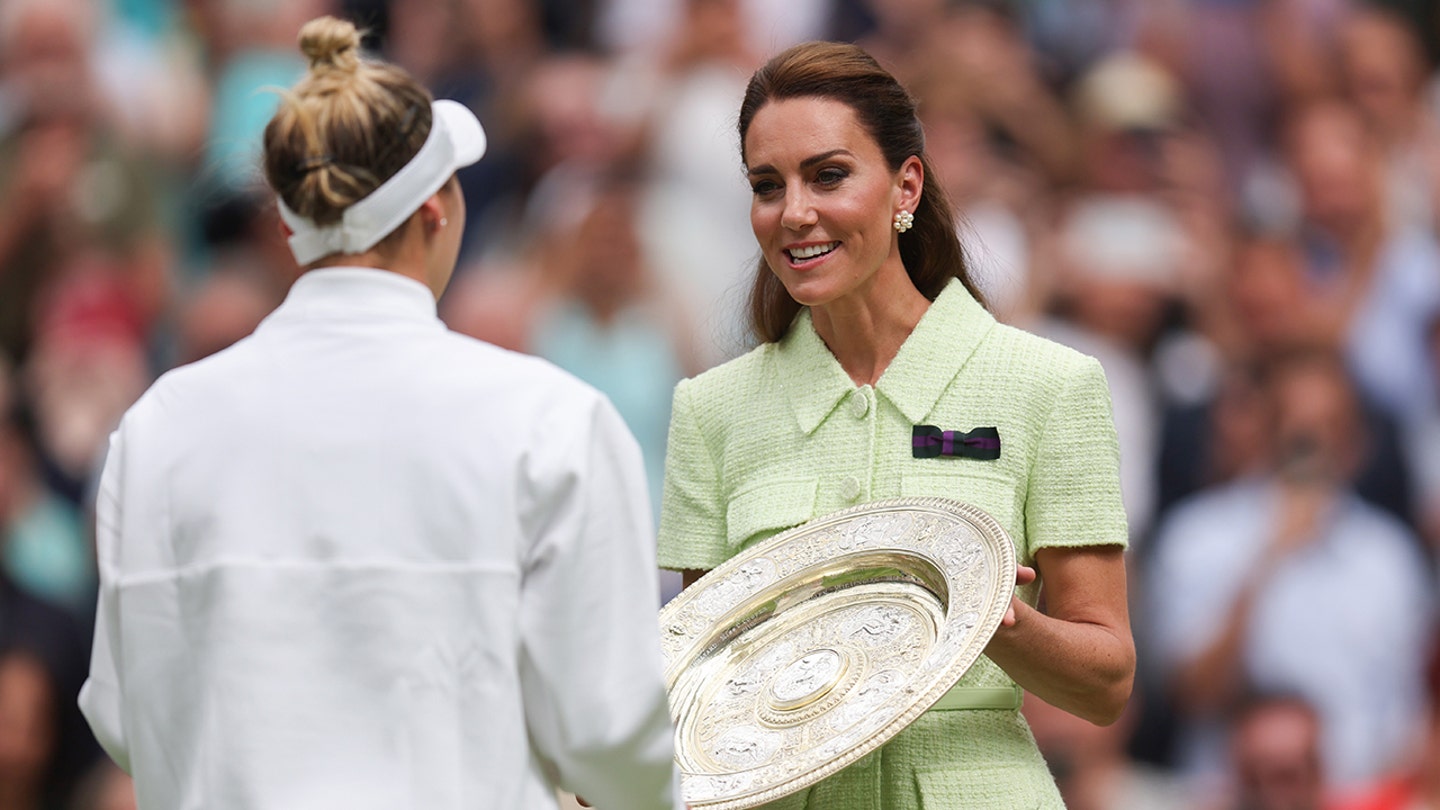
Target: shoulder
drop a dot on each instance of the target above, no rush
(1041, 357)
(514, 368)
(456, 368)
(1034, 376)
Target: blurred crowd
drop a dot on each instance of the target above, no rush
(1233, 204)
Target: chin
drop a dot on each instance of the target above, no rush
(805, 295)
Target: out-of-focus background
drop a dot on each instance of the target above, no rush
(1234, 204)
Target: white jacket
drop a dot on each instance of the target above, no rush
(360, 561)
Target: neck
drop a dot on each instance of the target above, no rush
(865, 329)
(406, 259)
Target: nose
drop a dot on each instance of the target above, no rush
(799, 213)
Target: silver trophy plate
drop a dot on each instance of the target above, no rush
(804, 653)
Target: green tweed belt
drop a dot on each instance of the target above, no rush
(980, 697)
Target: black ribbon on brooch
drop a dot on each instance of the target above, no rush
(928, 441)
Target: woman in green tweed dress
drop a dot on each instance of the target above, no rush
(880, 374)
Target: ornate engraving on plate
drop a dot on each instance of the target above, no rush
(879, 625)
(739, 584)
(871, 528)
(807, 679)
(813, 648)
(745, 747)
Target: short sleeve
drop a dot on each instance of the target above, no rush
(1073, 497)
(692, 512)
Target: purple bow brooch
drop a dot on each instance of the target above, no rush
(928, 441)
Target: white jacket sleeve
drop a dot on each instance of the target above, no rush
(591, 664)
(100, 696)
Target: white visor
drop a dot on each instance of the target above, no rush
(456, 140)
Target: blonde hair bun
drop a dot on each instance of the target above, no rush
(330, 42)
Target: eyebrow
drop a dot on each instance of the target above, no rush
(804, 164)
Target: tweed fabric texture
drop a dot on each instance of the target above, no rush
(782, 435)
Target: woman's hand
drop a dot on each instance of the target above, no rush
(1024, 575)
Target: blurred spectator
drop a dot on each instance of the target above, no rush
(982, 52)
(999, 139)
(694, 215)
(87, 367)
(571, 146)
(1373, 280)
(226, 306)
(770, 27)
(903, 37)
(43, 544)
(1262, 311)
(1286, 581)
(1125, 106)
(251, 47)
(611, 322)
(1416, 786)
(1074, 34)
(1000, 206)
(1275, 756)
(152, 70)
(1384, 73)
(485, 54)
(1226, 67)
(1090, 764)
(1215, 441)
(1423, 453)
(1299, 35)
(613, 325)
(72, 198)
(27, 731)
(44, 744)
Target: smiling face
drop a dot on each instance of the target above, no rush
(824, 200)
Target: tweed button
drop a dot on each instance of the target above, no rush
(860, 403)
(850, 488)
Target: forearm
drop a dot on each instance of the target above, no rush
(1085, 668)
(1078, 654)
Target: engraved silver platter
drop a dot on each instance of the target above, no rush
(804, 653)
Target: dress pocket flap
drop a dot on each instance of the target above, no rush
(763, 510)
(991, 492)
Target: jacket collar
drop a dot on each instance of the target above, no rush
(366, 292)
(947, 334)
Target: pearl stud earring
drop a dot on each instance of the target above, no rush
(904, 220)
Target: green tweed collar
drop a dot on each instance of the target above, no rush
(946, 336)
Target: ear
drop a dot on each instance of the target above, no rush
(910, 182)
(432, 211)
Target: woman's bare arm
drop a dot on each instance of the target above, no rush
(1078, 655)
